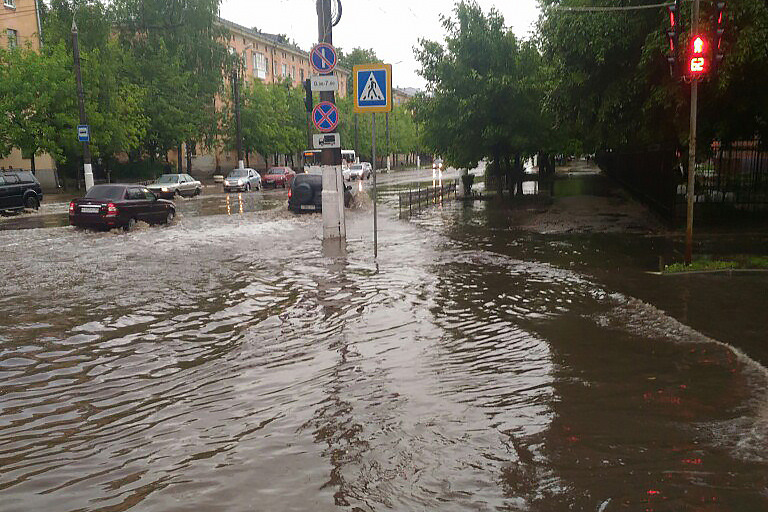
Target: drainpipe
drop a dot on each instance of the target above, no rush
(39, 24)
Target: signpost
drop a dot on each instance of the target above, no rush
(83, 133)
(325, 116)
(326, 140)
(324, 83)
(323, 58)
(373, 93)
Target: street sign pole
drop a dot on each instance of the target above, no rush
(87, 168)
(375, 192)
(692, 150)
(323, 59)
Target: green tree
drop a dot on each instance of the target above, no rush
(610, 87)
(356, 57)
(484, 93)
(37, 96)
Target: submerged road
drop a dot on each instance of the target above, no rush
(229, 362)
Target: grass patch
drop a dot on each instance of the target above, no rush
(736, 262)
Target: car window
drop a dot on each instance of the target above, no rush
(10, 178)
(168, 178)
(134, 194)
(106, 192)
(148, 194)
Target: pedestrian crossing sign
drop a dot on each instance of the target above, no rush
(373, 87)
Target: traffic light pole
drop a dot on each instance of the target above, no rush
(692, 148)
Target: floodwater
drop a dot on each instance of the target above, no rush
(230, 362)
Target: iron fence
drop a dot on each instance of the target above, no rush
(414, 200)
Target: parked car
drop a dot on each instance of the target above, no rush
(114, 205)
(19, 190)
(170, 185)
(359, 171)
(306, 194)
(278, 176)
(242, 180)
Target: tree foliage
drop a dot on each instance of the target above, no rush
(484, 92)
(609, 81)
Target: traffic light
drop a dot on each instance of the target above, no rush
(308, 95)
(718, 29)
(698, 57)
(673, 36)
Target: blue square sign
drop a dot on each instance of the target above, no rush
(373, 88)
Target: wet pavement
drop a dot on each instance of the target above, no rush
(230, 362)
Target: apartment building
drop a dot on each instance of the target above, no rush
(267, 57)
(272, 58)
(20, 28)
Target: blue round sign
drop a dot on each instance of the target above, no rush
(325, 116)
(323, 58)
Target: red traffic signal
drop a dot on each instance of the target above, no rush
(698, 57)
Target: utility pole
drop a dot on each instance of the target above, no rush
(325, 35)
(236, 92)
(357, 145)
(692, 147)
(87, 168)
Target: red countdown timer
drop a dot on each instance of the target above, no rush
(698, 60)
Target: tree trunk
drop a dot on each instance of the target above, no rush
(179, 164)
(32, 162)
(190, 145)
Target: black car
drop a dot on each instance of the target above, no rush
(112, 206)
(306, 193)
(18, 190)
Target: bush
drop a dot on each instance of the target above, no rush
(467, 180)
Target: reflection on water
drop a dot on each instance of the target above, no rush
(239, 364)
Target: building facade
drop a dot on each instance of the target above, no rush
(20, 28)
(267, 57)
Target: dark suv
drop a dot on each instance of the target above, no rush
(18, 190)
(306, 194)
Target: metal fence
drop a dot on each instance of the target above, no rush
(414, 200)
(733, 181)
(652, 175)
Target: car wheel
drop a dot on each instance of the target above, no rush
(176, 193)
(170, 216)
(198, 191)
(32, 203)
(247, 187)
(130, 225)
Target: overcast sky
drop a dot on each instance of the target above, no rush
(391, 27)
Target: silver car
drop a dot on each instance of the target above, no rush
(242, 180)
(170, 185)
(359, 171)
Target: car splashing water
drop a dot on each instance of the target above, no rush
(231, 363)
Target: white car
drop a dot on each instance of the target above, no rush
(242, 179)
(359, 171)
(169, 185)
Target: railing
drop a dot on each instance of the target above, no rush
(422, 197)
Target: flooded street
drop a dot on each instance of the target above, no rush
(229, 362)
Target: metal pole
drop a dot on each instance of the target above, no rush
(357, 144)
(87, 169)
(236, 81)
(325, 35)
(386, 117)
(375, 193)
(692, 149)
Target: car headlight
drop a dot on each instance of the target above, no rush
(240, 182)
(164, 189)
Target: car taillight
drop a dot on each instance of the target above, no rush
(71, 207)
(111, 210)
(289, 194)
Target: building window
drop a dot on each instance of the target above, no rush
(259, 66)
(10, 3)
(13, 38)
(301, 72)
(293, 71)
(285, 69)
